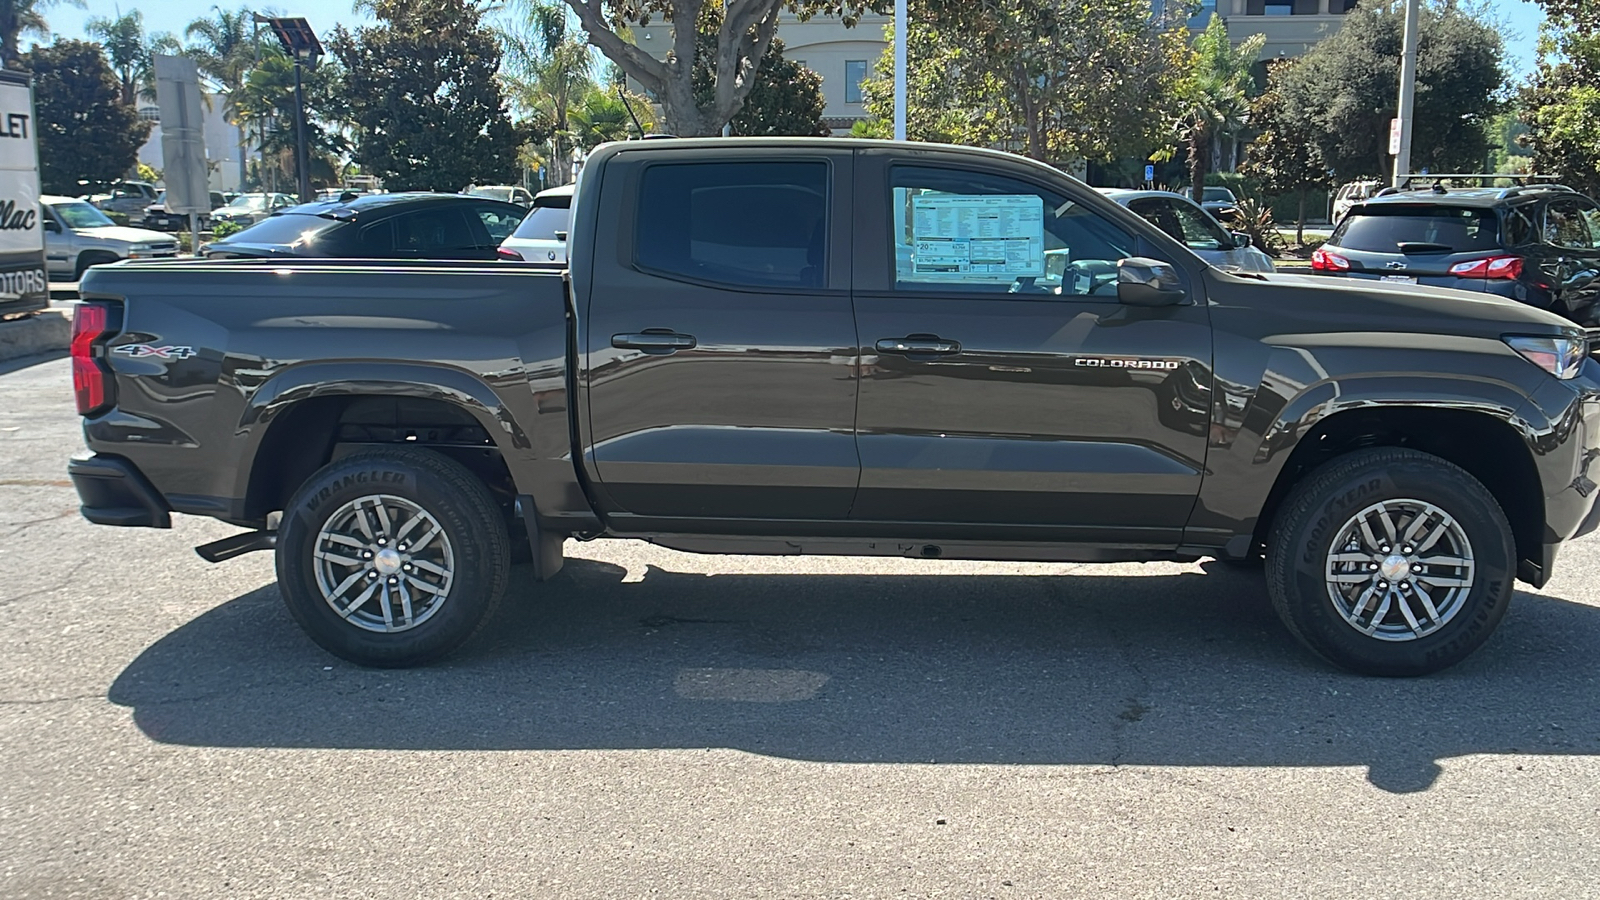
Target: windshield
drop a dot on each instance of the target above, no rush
(249, 201)
(543, 223)
(81, 215)
(1218, 193)
(493, 193)
(1383, 228)
(286, 228)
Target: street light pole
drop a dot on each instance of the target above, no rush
(302, 153)
(1408, 91)
(902, 25)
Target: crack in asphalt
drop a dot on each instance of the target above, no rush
(7, 601)
(1137, 701)
(24, 526)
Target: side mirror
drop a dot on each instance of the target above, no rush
(561, 236)
(1240, 239)
(50, 225)
(1142, 281)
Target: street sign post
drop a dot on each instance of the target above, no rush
(183, 140)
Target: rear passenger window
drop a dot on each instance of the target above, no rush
(742, 224)
(1566, 225)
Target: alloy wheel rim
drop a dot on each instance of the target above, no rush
(383, 563)
(1400, 570)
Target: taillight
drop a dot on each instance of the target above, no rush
(1494, 267)
(1323, 261)
(503, 253)
(91, 380)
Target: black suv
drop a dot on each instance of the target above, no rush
(1539, 244)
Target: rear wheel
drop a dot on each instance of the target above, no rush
(1391, 562)
(91, 258)
(392, 557)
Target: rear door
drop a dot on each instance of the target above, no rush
(720, 341)
(1005, 391)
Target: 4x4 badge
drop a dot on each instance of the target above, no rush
(140, 351)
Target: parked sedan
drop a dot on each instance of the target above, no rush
(248, 209)
(1179, 217)
(126, 197)
(1219, 202)
(379, 226)
(77, 236)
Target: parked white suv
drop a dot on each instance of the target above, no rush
(1351, 194)
(542, 236)
(77, 236)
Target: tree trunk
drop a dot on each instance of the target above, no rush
(1300, 226)
(1199, 161)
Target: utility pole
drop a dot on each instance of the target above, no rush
(1408, 91)
(902, 25)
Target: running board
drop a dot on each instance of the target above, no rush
(237, 545)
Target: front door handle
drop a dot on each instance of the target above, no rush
(654, 340)
(919, 345)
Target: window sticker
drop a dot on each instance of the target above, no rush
(977, 237)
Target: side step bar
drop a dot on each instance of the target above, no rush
(237, 545)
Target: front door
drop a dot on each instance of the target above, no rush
(720, 342)
(1009, 394)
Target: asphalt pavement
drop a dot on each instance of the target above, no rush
(660, 724)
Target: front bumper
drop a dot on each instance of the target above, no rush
(114, 492)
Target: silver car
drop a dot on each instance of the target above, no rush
(1179, 217)
(248, 209)
(77, 236)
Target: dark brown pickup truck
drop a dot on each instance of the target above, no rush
(843, 347)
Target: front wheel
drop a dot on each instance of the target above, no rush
(392, 558)
(1391, 562)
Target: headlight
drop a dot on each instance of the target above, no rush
(1560, 356)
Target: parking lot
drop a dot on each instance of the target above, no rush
(654, 723)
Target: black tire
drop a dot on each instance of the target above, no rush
(1323, 509)
(91, 258)
(474, 535)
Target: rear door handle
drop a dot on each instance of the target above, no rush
(654, 340)
(919, 345)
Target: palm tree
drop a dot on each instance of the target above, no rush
(1216, 95)
(226, 51)
(19, 17)
(547, 69)
(130, 52)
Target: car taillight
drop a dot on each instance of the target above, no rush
(1494, 267)
(91, 380)
(1323, 261)
(503, 253)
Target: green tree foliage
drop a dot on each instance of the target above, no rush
(1561, 103)
(785, 100)
(548, 73)
(1056, 79)
(602, 116)
(422, 93)
(1347, 86)
(1215, 95)
(1284, 158)
(131, 52)
(20, 17)
(86, 132)
(937, 103)
(267, 96)
(742, 39)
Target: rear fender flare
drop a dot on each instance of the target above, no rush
(419, 380)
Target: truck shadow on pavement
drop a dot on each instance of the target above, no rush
(1158, 670)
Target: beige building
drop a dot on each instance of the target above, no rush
(842, 56)
(1292, 26)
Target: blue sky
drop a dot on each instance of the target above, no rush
(1519, 20)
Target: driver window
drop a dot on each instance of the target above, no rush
(974, 232)
(1200, 231)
